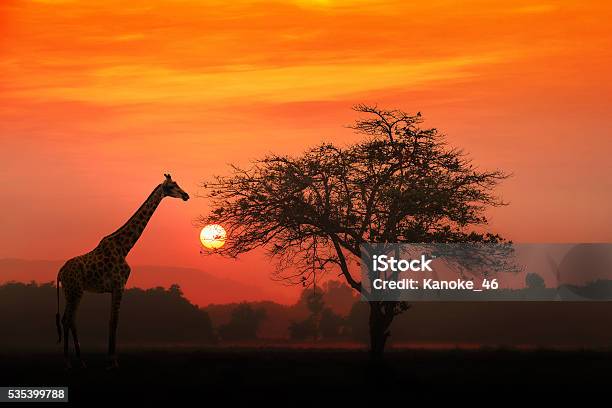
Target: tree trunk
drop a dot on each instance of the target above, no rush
(380, 320)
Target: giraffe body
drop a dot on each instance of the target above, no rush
(105, 270)
(94, 272)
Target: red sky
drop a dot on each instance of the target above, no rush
(99, 98)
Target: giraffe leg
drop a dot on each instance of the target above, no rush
(75, 338)
(72, 303)
(67, 311)
(114, 320)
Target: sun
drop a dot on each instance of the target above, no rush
(213, 236)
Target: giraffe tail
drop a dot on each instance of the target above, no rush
(58, 322)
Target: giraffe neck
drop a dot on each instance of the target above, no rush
(127, 236)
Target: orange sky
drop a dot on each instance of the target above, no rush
(99, 98)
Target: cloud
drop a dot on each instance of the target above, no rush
(126, 84)
(535, 9)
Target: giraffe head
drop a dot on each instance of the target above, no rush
(172, 189)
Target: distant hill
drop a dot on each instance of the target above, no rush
(199, 287)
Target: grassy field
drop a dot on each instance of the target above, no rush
(247, 374)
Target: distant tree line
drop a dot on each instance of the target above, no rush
(244, 323)
(164, 317)
(152, 316)
(322, 321)
(319, 314)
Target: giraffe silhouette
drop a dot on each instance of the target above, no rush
(105, 270)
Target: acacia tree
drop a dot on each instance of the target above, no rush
(400, 183)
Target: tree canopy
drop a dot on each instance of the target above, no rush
(400, 183)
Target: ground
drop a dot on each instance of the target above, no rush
(248, 374)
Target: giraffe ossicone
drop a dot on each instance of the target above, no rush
(105, 270)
